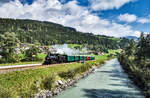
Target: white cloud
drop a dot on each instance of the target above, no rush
(133, 18)
(127, 17)
(70, 14)
(108, 4)
(143, 20)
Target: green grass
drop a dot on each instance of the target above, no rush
(40, 56)
(24, 83)
(71, 45)
(74, 45)
(114, 51)
(20, 63)
(112, 38)
(116, 39)
(104, 56)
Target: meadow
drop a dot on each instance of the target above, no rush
(40, 57)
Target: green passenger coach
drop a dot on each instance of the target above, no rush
(70, 58)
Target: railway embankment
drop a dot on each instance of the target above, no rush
(36, 82)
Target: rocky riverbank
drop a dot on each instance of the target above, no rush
(63, 85)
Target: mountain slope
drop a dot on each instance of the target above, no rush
(47, 33)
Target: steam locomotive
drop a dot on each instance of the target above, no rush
(59, 58)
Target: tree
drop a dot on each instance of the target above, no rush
(130, 50)
(147, 49)
(8, 44)
(141, 47)
(31, 54)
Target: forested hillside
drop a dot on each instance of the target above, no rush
(47, 33)
(136, 61)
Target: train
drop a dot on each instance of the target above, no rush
(59, 58)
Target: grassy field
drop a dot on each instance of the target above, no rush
(40, 56)
(28, 82)
(74, 45)
(112, 38)
(105, 55)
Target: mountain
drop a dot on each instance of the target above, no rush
(48, 33)
(132, 37)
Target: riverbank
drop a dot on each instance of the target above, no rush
(138, 74)
(28, 83)
(108, 81)
(64, 85)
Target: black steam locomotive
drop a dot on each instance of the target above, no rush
(58, 58)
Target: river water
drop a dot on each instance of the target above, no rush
(109, 81)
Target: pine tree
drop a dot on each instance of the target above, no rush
(141, 47)
(130, 50)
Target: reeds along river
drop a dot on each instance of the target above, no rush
(109, 81)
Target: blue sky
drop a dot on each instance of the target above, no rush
(104, 17)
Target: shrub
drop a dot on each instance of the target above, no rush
(68, 74)
(14, 58)
(27, 89)
(5, 93)
(31, 54)
(85, 67)
(2, 60)
(47, 82)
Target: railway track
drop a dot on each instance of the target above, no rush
(8, 69)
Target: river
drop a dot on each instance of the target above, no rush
(109, 81)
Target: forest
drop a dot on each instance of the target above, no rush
(135, 59)
(47, 33)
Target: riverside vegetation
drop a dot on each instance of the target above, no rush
(135, 59)
(29, 82)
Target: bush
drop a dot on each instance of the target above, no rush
(85, 67)
(14, 58)
(47, 82)
(2, 61)
(27, 90)
(68, 74)
(5, 93)
(10, 58)
(31, 54)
